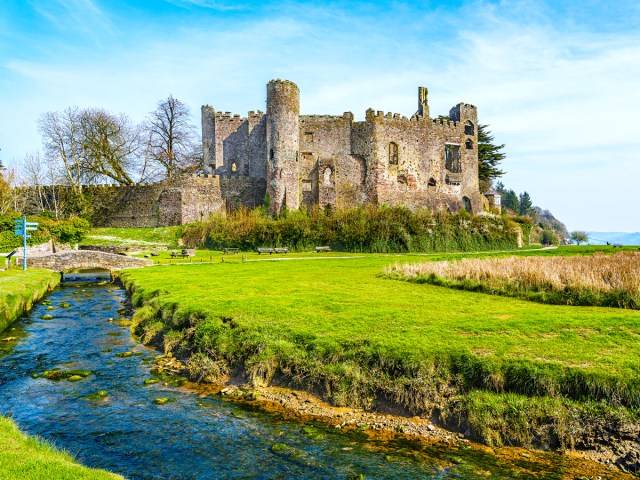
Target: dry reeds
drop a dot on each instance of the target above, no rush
(607, 280)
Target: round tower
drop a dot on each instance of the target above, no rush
(283, 115)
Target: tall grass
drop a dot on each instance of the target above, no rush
(370, 229)
(598, 280)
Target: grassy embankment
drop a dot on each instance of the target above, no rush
(19, 290)
(509, 370)
(598, 280)
(22, 456)
(134, 237)
(31, 458)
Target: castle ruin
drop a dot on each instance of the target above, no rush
(299, 161)
(293, 161)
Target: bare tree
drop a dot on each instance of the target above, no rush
(62, 138)
(110, 144)
(170, 138)
(43, 178)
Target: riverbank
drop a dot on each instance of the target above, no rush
(28, 458)
(501, 371)
(21, 289)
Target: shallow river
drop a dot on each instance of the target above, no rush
(190, 437)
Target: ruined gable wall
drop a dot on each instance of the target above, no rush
(229, 139)
(329, 173)
(421, 163)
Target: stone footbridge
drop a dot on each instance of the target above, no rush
(84, 259)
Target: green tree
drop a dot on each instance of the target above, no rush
(547, 237)
(579, 237)
(525, 203)
(489, 155)
(510, 201)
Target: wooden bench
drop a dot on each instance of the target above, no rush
(186, 252)
(231, 250)
(282, 250)
(265, 250)
(325, 248)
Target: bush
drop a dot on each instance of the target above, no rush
(365, 229)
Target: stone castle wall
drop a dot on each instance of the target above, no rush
(333, 161)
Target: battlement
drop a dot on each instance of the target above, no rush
(279, 81)
(441, 122)
(229, 117)
(380, 115)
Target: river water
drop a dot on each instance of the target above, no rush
(191, 437)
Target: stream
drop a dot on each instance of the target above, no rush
(106, 414)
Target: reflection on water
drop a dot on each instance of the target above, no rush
(97, 406)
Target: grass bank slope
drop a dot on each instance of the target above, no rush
(19, 290)
(134, 237)
(28, 458)
(337, 327)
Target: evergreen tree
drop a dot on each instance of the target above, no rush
(510, 201)
(489, 155)
(525, 203)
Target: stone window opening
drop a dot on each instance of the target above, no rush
(308, 137)
(469, 128)
(234, 167)
(432, 182)
(326, 177)
(393, 153)
(271, 154)
(452, 158)
(469, 144)
(467, 204)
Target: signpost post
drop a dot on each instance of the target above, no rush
(21, 227)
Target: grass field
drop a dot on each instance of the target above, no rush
(134, 237)
(338, 326)
(20, 289)
(23, 457)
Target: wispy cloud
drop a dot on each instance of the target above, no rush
(75, 15)
(210, 4)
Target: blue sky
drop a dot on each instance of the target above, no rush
(556, 81)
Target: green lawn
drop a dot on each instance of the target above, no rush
(335, 302)
(337, 326)
(133, 237)
(20, 289)
(28, 458)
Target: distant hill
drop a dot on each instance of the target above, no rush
(623, 238)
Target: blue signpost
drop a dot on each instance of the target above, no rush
(22, 227)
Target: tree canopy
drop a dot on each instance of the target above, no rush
(579, 237)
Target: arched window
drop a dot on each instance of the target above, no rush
(469, 129)
(469, 144)
(467, 204)
(234, 167)
(326, 176)
(432, 182)
(393, 153)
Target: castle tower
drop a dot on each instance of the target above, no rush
(283, 115)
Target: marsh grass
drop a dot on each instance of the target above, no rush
(597, 280)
